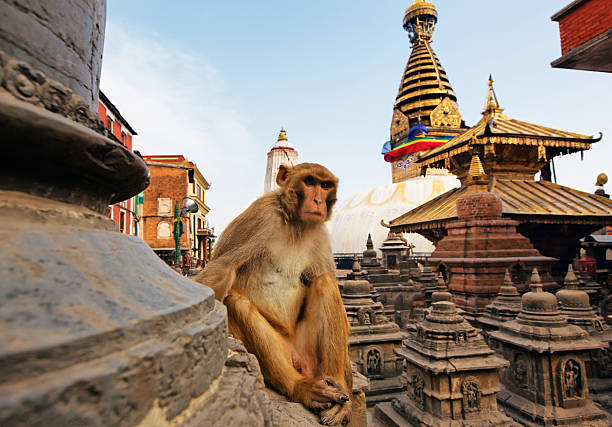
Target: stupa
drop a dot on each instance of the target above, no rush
(425, 96)
(546, 383)
(373, 338)
(501, 155)
(452, 375)
(505, 307)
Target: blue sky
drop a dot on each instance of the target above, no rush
(215, 81)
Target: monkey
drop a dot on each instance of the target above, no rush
(273, 269)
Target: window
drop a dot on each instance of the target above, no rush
(123, 138)
(164, 207)
(198, 191)
(164, 230)
(109, 124)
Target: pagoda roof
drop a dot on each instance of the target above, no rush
(522, 199)
(496, 128)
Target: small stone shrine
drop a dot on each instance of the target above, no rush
(546, 383)
(370, 257)
(410, 303)
(574, 305)
(504, 308)
(393, 249)
(452, 375)
(387, 284)
(588, 284)
(428, 282)
(373, 338)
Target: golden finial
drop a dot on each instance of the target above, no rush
(282, 136)
(476, 169)
(491, 103)
(602, 179)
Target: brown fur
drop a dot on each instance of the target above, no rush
(273, 269)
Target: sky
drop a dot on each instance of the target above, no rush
(216, 81)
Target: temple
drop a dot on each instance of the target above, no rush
(282, 153)
(501, 155)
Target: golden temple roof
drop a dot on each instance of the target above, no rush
(535, 201)
(495, 127)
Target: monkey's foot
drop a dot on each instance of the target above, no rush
(318, 394)
(340, 413)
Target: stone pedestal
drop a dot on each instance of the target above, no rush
(452, 375)
(373, 339)
(546, 383)
(478, 249)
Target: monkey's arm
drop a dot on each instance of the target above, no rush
(275, 354)
(218, 275)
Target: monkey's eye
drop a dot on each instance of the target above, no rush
(326, 185)
(309, 181)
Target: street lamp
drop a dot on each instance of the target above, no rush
(189, 206)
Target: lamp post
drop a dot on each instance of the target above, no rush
(189, 205)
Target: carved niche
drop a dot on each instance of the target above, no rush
(373, 362)
(366, 316)
(521, 371)
(416, 384)
(471, 401)
(572, 383)
(399, 122)
(446, 114)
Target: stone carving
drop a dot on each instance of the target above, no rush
(164, 230)
(374, 362)
(572, 379)
(520, 370)
(365, 316)
(164, 206)
(417, 384)
(471, 395)
(32, 86)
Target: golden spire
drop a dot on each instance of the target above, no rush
(282, 136)
(491, 104)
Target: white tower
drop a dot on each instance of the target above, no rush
(281, 154)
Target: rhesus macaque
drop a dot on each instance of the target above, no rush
(273, 269)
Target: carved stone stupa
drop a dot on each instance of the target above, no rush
(504, 308)
(373, 338)
(452, 375)
(546, 383)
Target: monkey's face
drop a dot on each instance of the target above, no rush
(315, 192)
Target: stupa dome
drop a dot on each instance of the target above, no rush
(361, 213)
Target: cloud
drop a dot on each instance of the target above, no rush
(178, 104)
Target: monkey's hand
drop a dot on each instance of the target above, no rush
(318, 393)
(340, 413)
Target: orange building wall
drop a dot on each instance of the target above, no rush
(586, 21)
(165, 183)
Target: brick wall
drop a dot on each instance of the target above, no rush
(166, 183)
(582, 23)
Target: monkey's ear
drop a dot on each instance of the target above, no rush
(283, 174)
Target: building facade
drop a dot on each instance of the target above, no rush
(173, 177)
(124, 213)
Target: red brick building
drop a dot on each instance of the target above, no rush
(585, 27)
(118, 129)
(173, 178)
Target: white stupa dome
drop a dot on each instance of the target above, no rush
(353, 219)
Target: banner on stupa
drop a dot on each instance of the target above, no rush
(413, 143)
